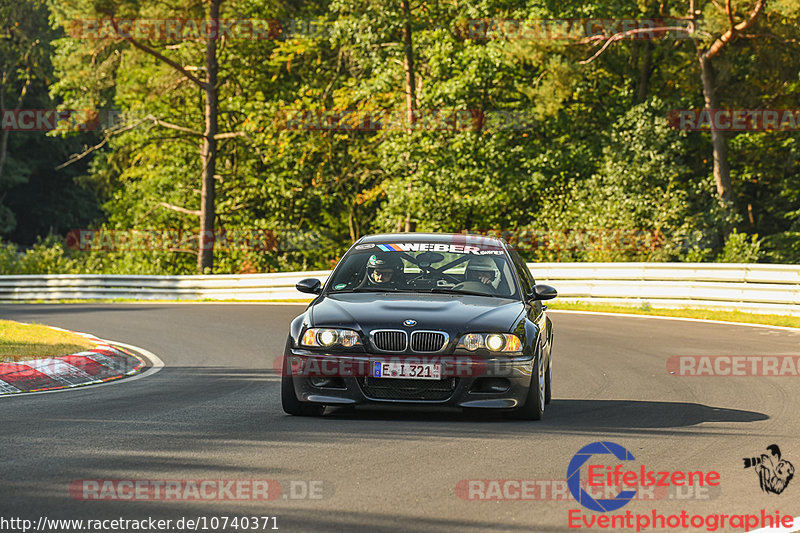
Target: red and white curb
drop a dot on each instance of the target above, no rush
(100, 364)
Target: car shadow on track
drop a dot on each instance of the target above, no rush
(575, 414)
(206, 396)
(619, 414)
(562, 415)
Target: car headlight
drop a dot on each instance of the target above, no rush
(494, 342)
(327, 337)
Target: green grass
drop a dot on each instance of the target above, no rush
(686, 312)
(20, 342)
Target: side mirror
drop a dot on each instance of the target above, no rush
(543, 292)
(309, 285)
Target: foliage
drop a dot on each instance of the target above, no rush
(741, 248)
(48, 256)
(587, 161)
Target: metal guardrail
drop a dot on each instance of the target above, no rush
(748, 287)
(757, 288)
(54, 287)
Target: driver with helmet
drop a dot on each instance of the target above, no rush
(384, 270)
(481, 269)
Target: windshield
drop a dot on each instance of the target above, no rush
(425, 267)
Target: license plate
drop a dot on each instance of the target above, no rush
(386, 369)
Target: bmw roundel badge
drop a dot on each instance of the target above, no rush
(409, 322)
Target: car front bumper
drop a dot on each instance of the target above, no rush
(467, 381)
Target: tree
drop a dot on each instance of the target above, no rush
(24, 60)
(111, 13)
(585, 147)
(706, 55)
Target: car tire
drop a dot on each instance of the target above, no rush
(548, 382)
(533, 409)
(291, 405)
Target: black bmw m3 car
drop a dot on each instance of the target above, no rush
(427, 319)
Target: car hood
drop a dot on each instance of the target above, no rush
(454, 314)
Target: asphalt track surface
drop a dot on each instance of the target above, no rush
(214, 413)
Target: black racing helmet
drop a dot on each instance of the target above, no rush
(383, 262)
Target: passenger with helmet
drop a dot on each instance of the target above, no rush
(384, 270)
(481, 269)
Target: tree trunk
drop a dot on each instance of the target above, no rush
(722, 170)
(5, 133)
(353, 224)
(411, 100)
(3, 139)
(408, 63)
(645, 71)
(205, 252)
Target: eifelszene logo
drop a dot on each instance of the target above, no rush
(574, 476)
(614, 478)
(774, 473)
(611, 470)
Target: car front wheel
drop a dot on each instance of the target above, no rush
(291, 405)
(548, 382)
(533, 409)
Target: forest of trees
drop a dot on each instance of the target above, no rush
(551, 123)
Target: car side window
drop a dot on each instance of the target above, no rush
(524, 275)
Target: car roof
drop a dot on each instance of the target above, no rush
(450, 238)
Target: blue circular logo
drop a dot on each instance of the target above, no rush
(574, 476)
(410, 322)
